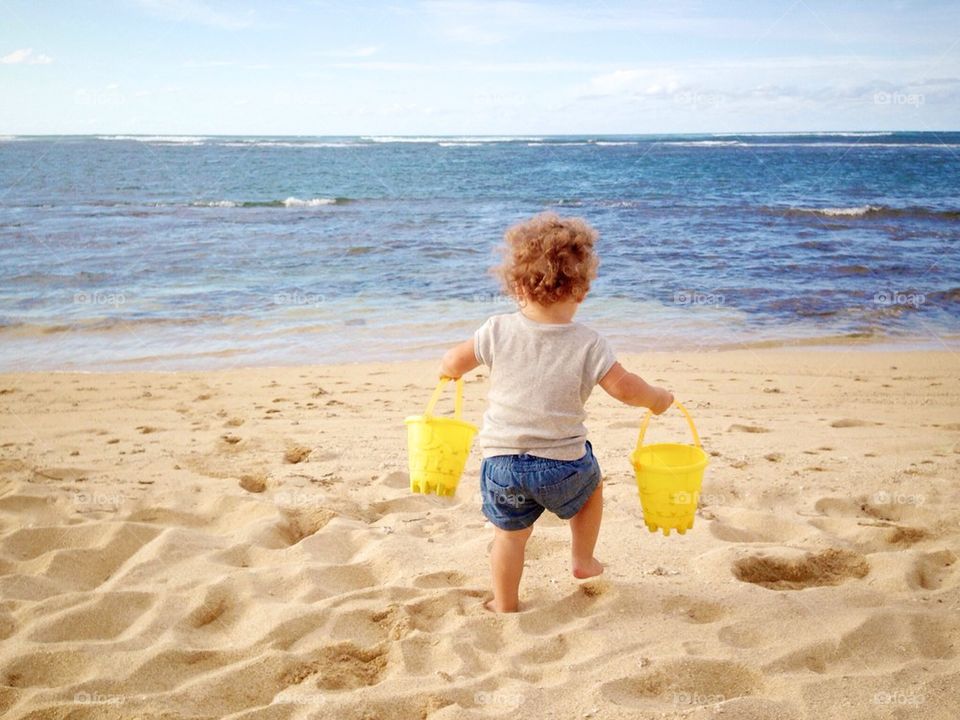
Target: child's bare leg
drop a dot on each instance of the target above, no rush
(506, 565)
(585, 526)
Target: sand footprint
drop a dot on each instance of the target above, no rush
(441, 579)
(739, 525)
(931, 570)
(438, 612)
(298, 524)
(570, 612)
(422, 654)
(694, 610)
(46, 669)
(871, 536)
(879, 506)
(852, 422)
(686, 682)
(883, 638)
(544, 651)
(829, 567)
(398, 480)
(404, 504)
(62, 474)
(369, 627)
(343, 666)
(748, 428)
(214, 610)
(745, 634)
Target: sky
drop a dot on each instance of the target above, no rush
(468, 67)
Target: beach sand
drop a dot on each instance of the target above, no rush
(242, 543)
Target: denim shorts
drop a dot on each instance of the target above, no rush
(516, 489)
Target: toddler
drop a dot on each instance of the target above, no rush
(543, 366)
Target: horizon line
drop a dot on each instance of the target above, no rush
(476, 134)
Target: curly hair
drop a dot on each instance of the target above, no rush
(548, 259)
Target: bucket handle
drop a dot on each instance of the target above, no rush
(646, 421)
(457, 403)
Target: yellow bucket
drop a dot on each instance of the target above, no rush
(437, 447)
(669, 477)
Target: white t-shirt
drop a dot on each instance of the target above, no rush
(541, 375)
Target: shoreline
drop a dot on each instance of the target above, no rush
(825, 344)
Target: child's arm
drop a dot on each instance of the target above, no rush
(634, 390)
(458, 360)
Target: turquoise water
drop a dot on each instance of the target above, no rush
(189, 252)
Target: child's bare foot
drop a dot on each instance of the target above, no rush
(492, 606)
(591, 569)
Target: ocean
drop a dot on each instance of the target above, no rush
(168, 253)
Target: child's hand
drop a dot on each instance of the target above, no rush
(664, 401)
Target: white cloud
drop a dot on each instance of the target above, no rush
(546, 66)
(824, 77)
(25, 56)
(491, 22)
(199, 12)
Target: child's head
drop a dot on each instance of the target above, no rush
(549, 259)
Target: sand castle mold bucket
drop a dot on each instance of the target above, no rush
(669, 477)
(437, 447)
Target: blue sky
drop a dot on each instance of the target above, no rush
(473, 67)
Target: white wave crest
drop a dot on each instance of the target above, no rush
(804, 134)
(703, 143)
(737, 143)
(841, 212)
(282, 144)
(216, 203)
(312, 202)
(447, 139)
(171, 139)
